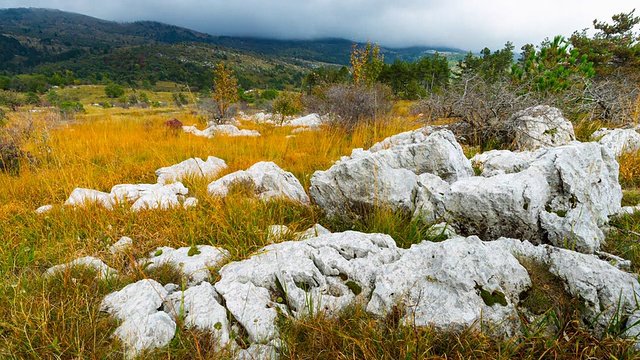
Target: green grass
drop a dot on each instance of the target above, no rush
(59, 317)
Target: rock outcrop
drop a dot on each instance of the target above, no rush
(538, 127)
(559, 195)
(267, 180)
(193, 262)
(220, 130)
(620, 141)
(454, 285)
(322, 274)
(388, 174)
(193, 167)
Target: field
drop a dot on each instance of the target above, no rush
(59, 317)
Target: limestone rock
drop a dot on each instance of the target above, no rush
(224, 130)
(322, 274)
(199, 308)
(497, 162)
(150, 196)
(44, 209)
(267, 179)
(620, 141)
(103, 271)
(507, 204)
(121, 245)
(143, 325)
(279, 231)
(193, 167)
(142, 298)
(145, 332)
(453, 285)
(539, 126)
(311, 120)
(193, 262)
(83, 197)
(561, 195)
(603, 290)
(388, 177)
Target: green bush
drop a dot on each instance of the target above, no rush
(114, 90)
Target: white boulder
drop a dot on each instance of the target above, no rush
(620, 141)
(311, 120)
(121, 245)
(455, 284)
(267, 179)
(150, 196)
(80, 197)
(324, 274)
(561, 195)
(199, 308)
(103, 271)
(539, 126)
(143, 325)
(44, 209)
(193, 167)
(225, 130)
(193, 262)
(387, 176)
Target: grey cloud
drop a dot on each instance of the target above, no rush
(467, 24)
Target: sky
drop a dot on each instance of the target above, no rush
(465, 24)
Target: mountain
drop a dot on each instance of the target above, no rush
(48, 41)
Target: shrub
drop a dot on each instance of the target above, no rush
(287, 104)
(350, 105)
(114, 90)
(269, 94)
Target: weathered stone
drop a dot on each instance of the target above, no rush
(121, 245)
(83, 197)
(311, 120)
(199, 308)
(103, 271)
(566, 194)
(497, 162)
(194, 262)
(507, 204)
(193, 167)
(150, 196)
(320, 275)
(620, 141)
(455, 284)
(220, 130)
(275, 232)
(388, 177)
(142, 298)
(267, 179)
(145, 332)
(604, 291)
(537, 127)
(44, 209)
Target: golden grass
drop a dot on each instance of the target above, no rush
(59, 317)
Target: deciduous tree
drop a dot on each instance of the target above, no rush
(225, 90)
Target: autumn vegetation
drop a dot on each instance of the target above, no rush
(53, 140)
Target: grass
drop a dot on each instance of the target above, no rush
(59, 317)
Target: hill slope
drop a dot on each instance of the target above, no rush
(49, 41)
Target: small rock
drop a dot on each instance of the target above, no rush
(44, 209)
(268, 180)
(103, 271)
(121, 245)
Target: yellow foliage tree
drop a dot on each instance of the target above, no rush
(366, 64)
(225, 89)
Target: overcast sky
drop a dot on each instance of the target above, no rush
(466, 24)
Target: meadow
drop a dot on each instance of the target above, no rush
(59, 317)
